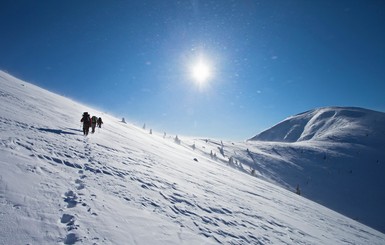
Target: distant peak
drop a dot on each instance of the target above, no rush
(342, 124)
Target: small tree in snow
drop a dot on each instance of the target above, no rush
(221, 150)
(177, 140)
(253, 172)
(297, 190)
(231, 161)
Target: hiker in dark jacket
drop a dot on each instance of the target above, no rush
(86, 120)
(99, 122)
(93, 123)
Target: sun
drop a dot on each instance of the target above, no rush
(201, 71)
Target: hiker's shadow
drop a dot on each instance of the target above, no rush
(58, 131)
(74, 129)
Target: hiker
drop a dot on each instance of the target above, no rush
(93, 123)
(99, 122)
(86, 120)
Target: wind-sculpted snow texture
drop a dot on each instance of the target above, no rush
(332, 124)
(336, 155)
(123, 185)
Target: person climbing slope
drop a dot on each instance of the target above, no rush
(93, 123)
(99, 122)
(86, 120)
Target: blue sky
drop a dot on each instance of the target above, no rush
(268, 59)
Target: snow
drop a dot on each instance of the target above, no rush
(335, 154)
(123, 185)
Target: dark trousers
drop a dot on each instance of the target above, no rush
(86, 129)
(93, 127)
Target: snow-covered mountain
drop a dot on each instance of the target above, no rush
(123, 185)
(332, 124)
(335, 154)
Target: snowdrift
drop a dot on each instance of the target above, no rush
(123, 185)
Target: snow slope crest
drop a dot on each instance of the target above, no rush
(335, 124)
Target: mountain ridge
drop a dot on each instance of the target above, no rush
(325, 123)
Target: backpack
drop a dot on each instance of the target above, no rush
(94, 118)
(86, 119)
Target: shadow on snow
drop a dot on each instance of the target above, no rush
(57, 131)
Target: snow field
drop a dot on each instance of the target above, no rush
(123, 185)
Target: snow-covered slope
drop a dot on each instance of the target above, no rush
(333, 124)
(335, 154)
(123, 185)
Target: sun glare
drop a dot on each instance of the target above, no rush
(201, 72)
